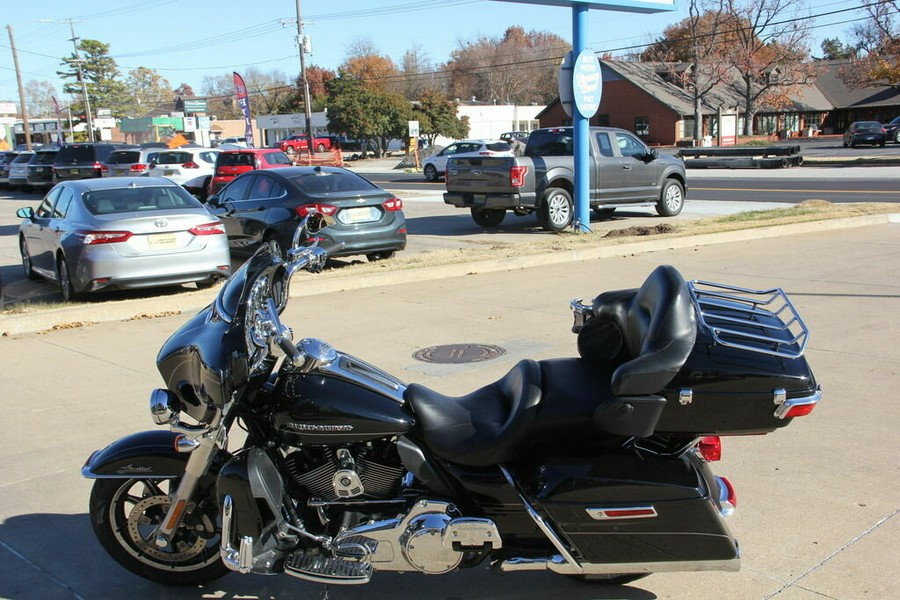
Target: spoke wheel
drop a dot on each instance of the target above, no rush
(431, 173)
(126, 514)
(671, 199)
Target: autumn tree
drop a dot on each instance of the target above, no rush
(518, 68)
(105, 89)
(148, 90)
(694, 51)
(376, 72)
(878, 43)
(437, 117)
(39, 99)
(317, 78)
(769, 51)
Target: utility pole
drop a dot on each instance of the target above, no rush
(307, 110)
(12, 46)
(84, 94)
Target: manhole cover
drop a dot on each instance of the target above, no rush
(458, 353)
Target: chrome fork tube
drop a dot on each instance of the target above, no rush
(202, 455)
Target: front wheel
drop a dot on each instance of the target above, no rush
(320, 147)
(671, 199)
(897, 136)
(26, 261)
(126, 514)
(488, 217)
(556, 211)
(290, 151)
(431, 173)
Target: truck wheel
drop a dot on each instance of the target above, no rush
(556, 210)
(321, 147)
(671, 199)
(488, 217)
(431, 173)
(290, 151)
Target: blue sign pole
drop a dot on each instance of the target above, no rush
(581, 129)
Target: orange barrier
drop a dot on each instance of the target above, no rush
(304, 158)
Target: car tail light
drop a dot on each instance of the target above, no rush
(92, 238)
(517, 176)
(710, 447)
(393, 204)
(214, 228)
(727, 496)
(190, 165)
(325, 209)
(138, 168)
(98, 166)
(104, 169)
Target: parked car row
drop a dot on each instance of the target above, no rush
(116, 233)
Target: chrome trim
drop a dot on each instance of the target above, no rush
(558, 564)
(785, 407)
(356, 371)
(543, 525)
(726, 508)
(779, 395)
(240, 559)
(161, 407)
(685, 396)
(733, 317)
(601, 514)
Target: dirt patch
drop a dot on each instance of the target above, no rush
(157, 315)
(70, 325)
(640, 231)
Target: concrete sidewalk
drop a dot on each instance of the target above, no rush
(819, 501)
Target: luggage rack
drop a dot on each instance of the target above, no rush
(762, 321)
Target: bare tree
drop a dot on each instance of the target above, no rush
(769, 51)
(39, 98)
(877, 41)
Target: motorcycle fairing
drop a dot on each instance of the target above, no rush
(142, 454)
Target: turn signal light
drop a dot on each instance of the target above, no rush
(325, 209)
(517, 176)
(214, 228)
(393, 204)
(190, 165)
(138, 168)
(710, 448)
(92, 238)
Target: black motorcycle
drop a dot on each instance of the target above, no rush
(595, 467)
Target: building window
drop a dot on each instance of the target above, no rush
(642, 126)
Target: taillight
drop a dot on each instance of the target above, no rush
(104, 168)
(393, 204)
(710, 448)
(517, 176)
(92, 238)
(190, 165)
(138, 168)
(214, 228)
(727, 496)
(98, 166)
(325, 209)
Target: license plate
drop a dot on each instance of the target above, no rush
(162, 241)
(73, 171)
(360, 214)
(39, 169)
(479, 199)
(169, 172)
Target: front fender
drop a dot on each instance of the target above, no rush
(143, 454)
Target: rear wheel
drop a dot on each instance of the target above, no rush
(488, 217)
(556, 211)
(671, 199)
(65, 281)
(431, 173)
(320, 147)
(126, 514)
(290, 151)
(26, 260)
(897, 136)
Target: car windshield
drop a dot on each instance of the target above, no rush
(76, 153)
(173, 158)
(44, 158)
(498, 147)
(235, 159)
(23, 158)
(124, 157)
(330, 182)
(868, 125)
(138, 199)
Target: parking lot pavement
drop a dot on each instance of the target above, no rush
(818, 501)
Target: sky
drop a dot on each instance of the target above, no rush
(185, 40)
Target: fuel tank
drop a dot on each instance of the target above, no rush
(320, 409)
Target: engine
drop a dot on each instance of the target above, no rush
(370, 471)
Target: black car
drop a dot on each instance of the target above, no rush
(892, 130)
(865, 132)
(6, 158)
(40, 170)
(355, 215)
(82, 161)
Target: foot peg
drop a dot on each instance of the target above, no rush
(322, 569)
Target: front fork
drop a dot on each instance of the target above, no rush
(202, 442)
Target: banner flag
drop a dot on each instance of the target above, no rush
(244, 102)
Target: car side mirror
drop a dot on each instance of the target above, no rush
(213, 200)
(25, 213)
(651, 155)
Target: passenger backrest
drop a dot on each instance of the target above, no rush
(658, 327)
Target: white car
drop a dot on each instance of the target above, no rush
(434, 166)
(184, 164)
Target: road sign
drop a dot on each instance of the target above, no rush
(193, 105)
(413, 129)
(587, 84)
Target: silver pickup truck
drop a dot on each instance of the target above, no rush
(624, 172)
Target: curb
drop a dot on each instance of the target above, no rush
(189, 302)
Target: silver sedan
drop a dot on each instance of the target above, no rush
(130, 232)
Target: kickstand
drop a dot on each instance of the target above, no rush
(325, 592)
